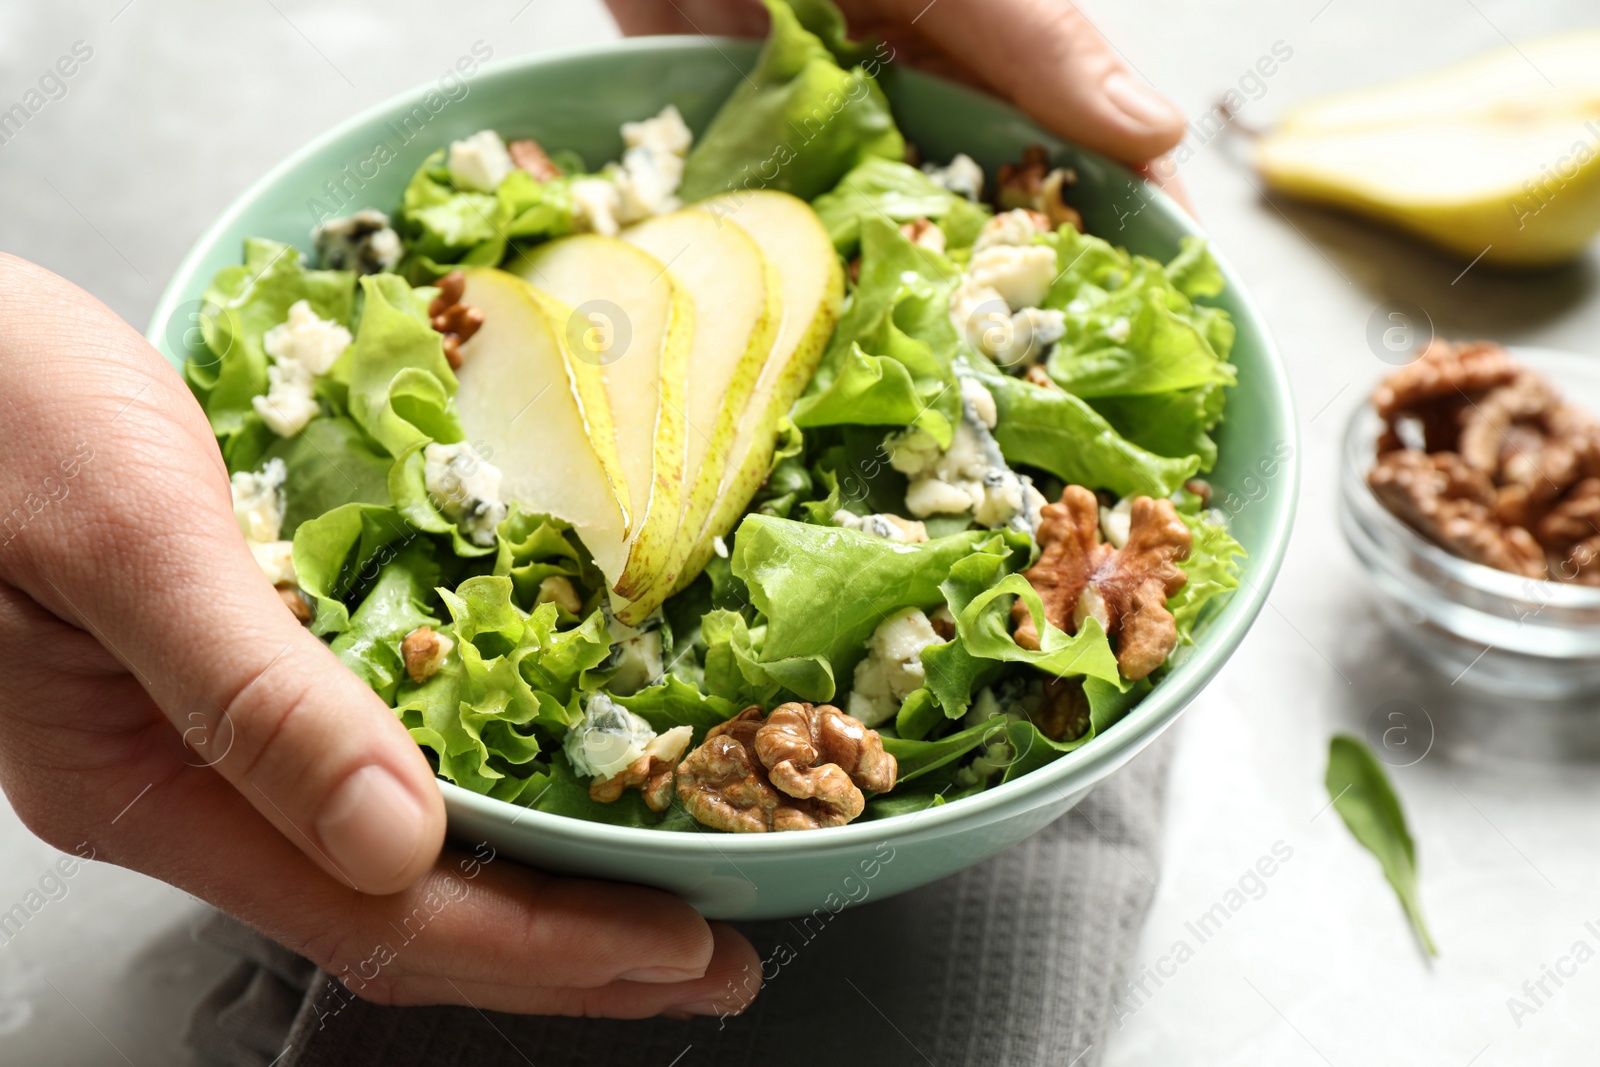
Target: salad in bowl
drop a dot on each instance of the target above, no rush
(768, 477)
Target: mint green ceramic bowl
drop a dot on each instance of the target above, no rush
(576, 99)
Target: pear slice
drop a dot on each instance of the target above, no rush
(543, 415)
(734, 292)
(811, 288)
(633, 322)
(1498, 156)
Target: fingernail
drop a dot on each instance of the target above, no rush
(709, 1007)
(369, 827)
(1139, 101)
(661, 975)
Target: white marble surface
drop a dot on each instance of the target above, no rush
(184, 103)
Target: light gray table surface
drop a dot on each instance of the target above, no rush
(184, 103)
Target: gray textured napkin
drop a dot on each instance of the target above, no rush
(1012, 963)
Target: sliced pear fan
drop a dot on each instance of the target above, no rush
(736, 313)
(633, 324)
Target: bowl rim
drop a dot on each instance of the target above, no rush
(1355, 460)
(1071, 772)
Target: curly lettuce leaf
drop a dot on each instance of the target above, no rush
(1212, 568)
(342, 550)
(798, 122)
(1176, 424)
(980, 592)
(1055, 431)
(891, 189)
(823, 590)
(1132, 327)
(890, 360)
(400, 383)
(409, 490)
(397, 603)
(445, 226)
(510, 671)
(676, 702)
(330, 463)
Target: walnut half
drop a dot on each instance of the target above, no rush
(800, 768)
(1078, 576)
(455, 321)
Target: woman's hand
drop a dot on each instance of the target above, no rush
(1043, 55)
(163, 710)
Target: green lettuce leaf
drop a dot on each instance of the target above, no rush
(1132, 329)
(1212, 568)
(343, 550)
(510, 672)
(445, 226)
(1031, 749)
(1176, 424)
(798, 122)
(397, 603)
(399, 380)
(890, 360)
(1055, 431)
(888, 188)
(916, 758)
(823, 590)
(329, 463)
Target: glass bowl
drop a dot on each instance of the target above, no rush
(1477, 626)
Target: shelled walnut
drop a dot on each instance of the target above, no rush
(454, 320)
(802, 767)
(1078, 576)
(1482, 456)
(1033, 185)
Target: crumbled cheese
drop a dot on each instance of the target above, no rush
(961, 176)
(637, 654)
(363, 242)
(893, 668)
(888, 527)
(465, 487)
(276, 560)
(1115, 522)
(595, 205)
(1026, 338)
(1119, 329)
(479, 163)
(719, 546)
(971, 475)
(666, 132)
(1014, 229)
(557, 589)
(652, 165)
(258, 500)
(645, 183)
(606, 739)
(302, 347)
(1021, 275)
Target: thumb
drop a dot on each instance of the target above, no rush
(146, 555)
(1051, 61)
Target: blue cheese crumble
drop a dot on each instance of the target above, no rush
(363, 242)
(302, 349)
(971, 475)
(465, 487)
(609, 738)
(479, 163)
(258, 509)
(893, 668)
